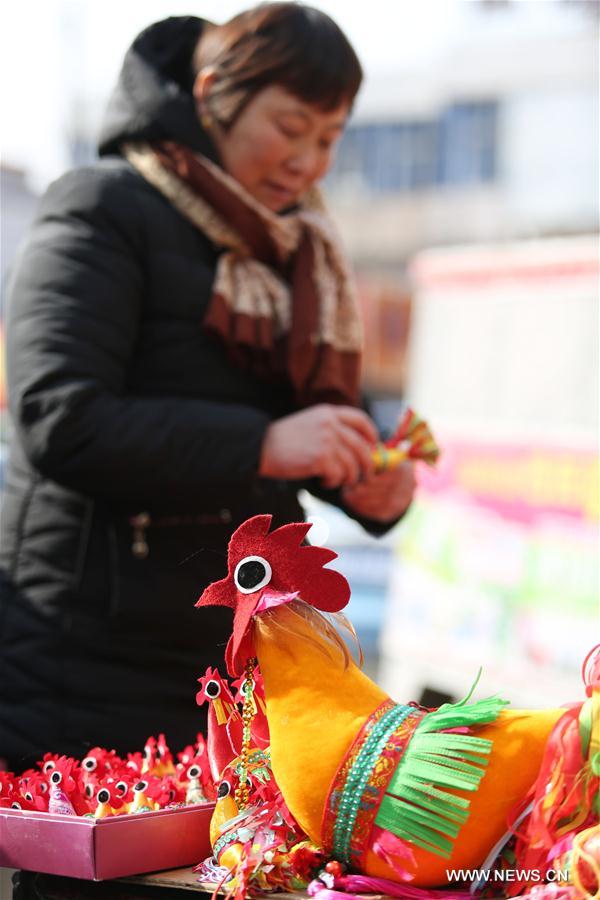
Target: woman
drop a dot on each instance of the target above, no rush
(183, 352)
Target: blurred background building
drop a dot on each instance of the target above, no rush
(496, 139)
(489, 154)
(477, 128)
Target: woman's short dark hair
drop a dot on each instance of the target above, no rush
(288, 44)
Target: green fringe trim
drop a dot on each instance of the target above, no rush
(416, 807)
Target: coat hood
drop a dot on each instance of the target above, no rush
(152, 99)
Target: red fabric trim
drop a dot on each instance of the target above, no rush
(376, 786)
(337, 785)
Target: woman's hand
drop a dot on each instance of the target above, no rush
(382, 497)
(333, 443)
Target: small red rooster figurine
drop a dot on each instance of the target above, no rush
(224, 734)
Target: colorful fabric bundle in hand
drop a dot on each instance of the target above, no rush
(387, 790)
(412, 439)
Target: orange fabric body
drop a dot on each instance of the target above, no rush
(315, 708)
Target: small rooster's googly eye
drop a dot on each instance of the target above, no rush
(103, 796)
(29, 796)
(212, 689)
(121, 788)
(89, 791)
(44, 787)
(140, 786)
(251, 574)
(90, 763)
(194, 772)
(48, 766)
(56, 777)
(224, 790)
(15, 805)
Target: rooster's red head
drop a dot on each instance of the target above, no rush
(213, 689)
(267, 570)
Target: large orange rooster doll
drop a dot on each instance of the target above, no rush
(388, 790)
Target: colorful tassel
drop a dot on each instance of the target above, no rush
(585, 862)
(565, 797)
(412, 439)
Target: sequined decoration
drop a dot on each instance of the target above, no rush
(248, 713)
(362, 779)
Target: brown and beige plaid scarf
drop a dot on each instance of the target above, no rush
(283, 298)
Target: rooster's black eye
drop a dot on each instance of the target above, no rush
(251, 574)
(212, 689)
(224, 789)
(90, 763)
(56, 778)
(103, 796)
(194, 772)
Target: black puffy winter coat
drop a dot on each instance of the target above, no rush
(136, 444)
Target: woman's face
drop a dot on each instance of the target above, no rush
(279, 146)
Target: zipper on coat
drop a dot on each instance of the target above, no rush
(141, 522)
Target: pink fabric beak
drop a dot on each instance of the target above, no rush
(271, 600)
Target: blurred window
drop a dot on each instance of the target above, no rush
(394, 157)
(468, 143)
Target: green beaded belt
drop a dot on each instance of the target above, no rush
(357, 794)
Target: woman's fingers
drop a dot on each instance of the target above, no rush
(358, 420)
(342, 468)
(333, 443)
(360, 449)
(384, 496)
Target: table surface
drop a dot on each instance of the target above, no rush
(175, 884)
(187, 880)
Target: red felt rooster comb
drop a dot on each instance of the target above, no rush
(291, 567)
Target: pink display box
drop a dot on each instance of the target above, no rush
(105, 848)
